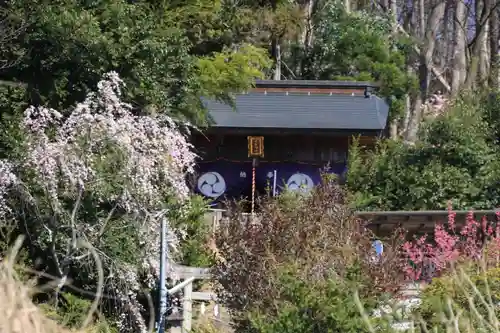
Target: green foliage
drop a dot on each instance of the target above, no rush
(12, 102)
(456, 158)
(193, 249)
(228, 71)
(435, 296)
(470, 293)
(70, 44)
(492, 112)
(211, 25)
(72, 312)
(355, 46)
(315, 305)
(121, 241)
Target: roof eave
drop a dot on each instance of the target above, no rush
(292, 130)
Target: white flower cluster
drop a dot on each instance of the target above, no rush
(7, 179)
(102, 147)
(147, 154)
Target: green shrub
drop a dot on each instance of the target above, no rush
(72, 312)
(316, 305)
(193, 245)
(456, 158)
(467, 297)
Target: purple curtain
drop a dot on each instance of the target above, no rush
(232, 180)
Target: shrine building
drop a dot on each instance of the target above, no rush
(297, 127)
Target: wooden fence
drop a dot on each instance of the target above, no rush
(384, 222)
(184, 323)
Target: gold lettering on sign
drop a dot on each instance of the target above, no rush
(255, 146)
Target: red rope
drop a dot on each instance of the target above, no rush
(253, 189)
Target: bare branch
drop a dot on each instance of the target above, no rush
(437, 72)
(433, 68)
(12, 83)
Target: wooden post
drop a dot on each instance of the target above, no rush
(189, 274)
(214, 223)
(217, 323)
(187, 308)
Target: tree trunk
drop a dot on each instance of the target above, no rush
(347, 5)
(494, 37)
(483, 56)
(483, 10)
(275, 48)
(459, 69)
(307, 35)
(277, 58)
(426, 52)
(394, 21)
(405, 121)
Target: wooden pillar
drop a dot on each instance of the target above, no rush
(187, 308)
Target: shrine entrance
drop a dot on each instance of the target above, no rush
(239, 167)
(283, 134)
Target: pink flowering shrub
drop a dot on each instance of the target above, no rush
(474, 241)
(102, 175)
(154, 155)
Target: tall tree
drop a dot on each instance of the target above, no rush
(70, 44)
(459, 67)
(494, 49)
(344, 45)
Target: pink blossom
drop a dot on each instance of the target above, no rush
(451, 217)
(451, 246)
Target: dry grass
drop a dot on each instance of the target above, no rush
(465, 310)
(18, 314)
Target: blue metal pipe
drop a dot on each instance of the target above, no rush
(160, 324)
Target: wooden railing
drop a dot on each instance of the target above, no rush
(189, 275)
(215, 216)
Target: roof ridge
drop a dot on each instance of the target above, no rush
(314, 83)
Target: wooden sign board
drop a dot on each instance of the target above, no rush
(255, 146)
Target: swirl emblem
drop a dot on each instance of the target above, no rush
(300, 181)
(211, 184)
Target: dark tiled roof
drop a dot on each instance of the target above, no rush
(301, 111)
